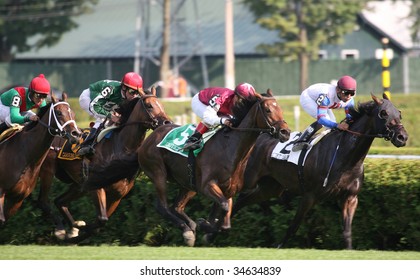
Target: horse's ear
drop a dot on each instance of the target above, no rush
(141, 91)
(64, 96)
(376, 99)
(53, 97)
(153, 90)
(269, 92)
(258, 95)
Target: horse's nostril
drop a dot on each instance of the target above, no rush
(401, 138)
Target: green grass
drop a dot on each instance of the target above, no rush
(105, 252)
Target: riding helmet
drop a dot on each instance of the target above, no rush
(132, 80)
(347, 83)
(245, 90)
(40, 85)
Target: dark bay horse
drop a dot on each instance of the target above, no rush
(219, 166)
(137, 117)
(23, 154)
(328, 172)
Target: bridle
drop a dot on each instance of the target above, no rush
(271, 126)
(59, 131)
(154, 122)
(389, 130)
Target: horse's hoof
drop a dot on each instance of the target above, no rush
(208, 238)
(189, 238)
(205, 225)
(60, 234)
(79, 224)
(103, 219)
(74, 232)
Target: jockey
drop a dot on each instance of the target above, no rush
(102, 98)
(214, 106)
(319, 100)
(16, 103)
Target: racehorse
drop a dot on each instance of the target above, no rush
(24, 153)
(137, 117)
(333, 168)
(218, 167)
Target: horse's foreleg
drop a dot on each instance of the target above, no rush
(99, 198)
(179, 207)
(46, 180)
(2, 216)
(62, 203)
(115, 193)
(159, 181)
(348, 211)
(306, 203)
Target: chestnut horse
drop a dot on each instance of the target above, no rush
(218, 167)
(333, 168)
(137, 117)
(23, 154)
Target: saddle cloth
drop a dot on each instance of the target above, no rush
(175, 139)
(283, 151)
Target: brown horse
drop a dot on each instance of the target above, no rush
(219, 166)
(24, 153)
(333, 168)
(137, 117)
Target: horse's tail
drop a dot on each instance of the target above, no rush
(123, 167)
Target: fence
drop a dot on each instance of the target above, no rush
(263, 73)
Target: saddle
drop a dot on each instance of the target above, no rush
(10, 132)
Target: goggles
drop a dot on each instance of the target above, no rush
(348, 92)
(40, 95)
(131, 91)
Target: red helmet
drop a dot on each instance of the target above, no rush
(245, 90)
(40, 85)
(132, 80)
(347, 83)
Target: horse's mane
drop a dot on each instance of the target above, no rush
(126, 108)
(242, 107)
(365, 108)
(41, 112)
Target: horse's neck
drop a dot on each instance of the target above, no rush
(356, 146)
(131, 136)
(242, 141)
(38, 142)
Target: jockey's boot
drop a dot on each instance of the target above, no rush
(302, 142)
(86, 148)
(3, 127)
(194, 141)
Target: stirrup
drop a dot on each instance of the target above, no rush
(300, 146)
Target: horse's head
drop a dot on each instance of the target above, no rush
(146, 109)
(272, 116)
(388, 121)
(61, 119)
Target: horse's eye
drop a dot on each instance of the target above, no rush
(149, 106)
(383, 114)
(58, 113)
